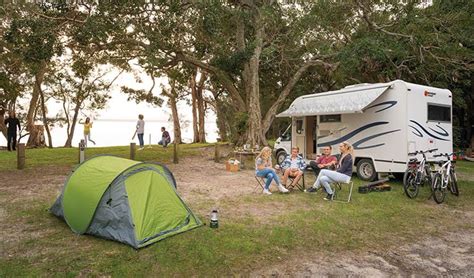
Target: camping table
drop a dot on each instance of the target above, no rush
(246, 155)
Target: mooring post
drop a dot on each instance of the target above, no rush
(132, 150)
(175, 153)
(82, 148)
(20, 156)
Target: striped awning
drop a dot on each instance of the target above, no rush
(347, 100)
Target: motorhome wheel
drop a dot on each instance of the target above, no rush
(280, 157)
(366, 170)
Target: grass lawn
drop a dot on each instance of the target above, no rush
(34, 243)
(70, 156)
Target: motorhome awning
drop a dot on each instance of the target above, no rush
(352, 100)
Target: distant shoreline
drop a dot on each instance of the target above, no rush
(134, 120)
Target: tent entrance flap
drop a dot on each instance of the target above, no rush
(337, 102)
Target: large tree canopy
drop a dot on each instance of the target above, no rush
(259, 55)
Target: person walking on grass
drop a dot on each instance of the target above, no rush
(165, 137)
(342, 174)
(87, 130)
(264, 169)
(12, 123)
(140, 130)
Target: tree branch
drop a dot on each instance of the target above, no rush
(271, 113)
(373, 25)
(225, 80)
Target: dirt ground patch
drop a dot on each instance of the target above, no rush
(450, 255)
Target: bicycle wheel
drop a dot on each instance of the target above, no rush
(453, 185)
(409, 184)
(438, 192)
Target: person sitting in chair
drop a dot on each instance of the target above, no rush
(342, 174)
(325, 161)
(264, 169)
(293, 166)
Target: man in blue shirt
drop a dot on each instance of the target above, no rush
(293, 166)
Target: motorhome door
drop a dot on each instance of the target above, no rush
(299, 131)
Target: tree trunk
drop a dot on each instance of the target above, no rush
(201, 109)
(174, 112)
(45, 119)
(30, 117)
(470, 116)
(194, 108)
(70, 132)
(254, 134)
(221, 121)
(3, 127)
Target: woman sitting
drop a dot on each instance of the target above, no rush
(264, 169)
(293, 166)
(342, 174)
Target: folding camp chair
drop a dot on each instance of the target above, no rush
(260, 182)
(338, 188)
(300, 185)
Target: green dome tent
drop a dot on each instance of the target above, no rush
(124, 200)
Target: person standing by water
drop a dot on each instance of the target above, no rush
(87, 130)
(165, 137)
(140, 131)
(12, 122)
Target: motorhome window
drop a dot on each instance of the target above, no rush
(299, 126)
(330, 118)
(439, 113)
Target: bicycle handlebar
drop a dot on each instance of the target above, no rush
(448, 155)
(423, 152)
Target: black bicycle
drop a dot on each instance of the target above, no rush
(445, 179)
(417, 174)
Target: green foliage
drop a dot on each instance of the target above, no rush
(239, 124)
(34, 40)
(234, 63)
(142, 96)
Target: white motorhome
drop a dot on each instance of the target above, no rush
(383, 122)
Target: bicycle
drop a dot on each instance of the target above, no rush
(417, 174)
(444, 179)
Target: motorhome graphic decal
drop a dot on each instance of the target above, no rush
(417, 133)
(389, 104)
(361, 141)
(357, 144)
(444, 134)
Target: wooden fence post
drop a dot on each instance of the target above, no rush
(21, 156)
(132, 150)
(175, 153)
(216, 152)
(82, 147)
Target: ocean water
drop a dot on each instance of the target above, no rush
(120, 132)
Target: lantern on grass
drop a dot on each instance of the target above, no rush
(214, 220)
